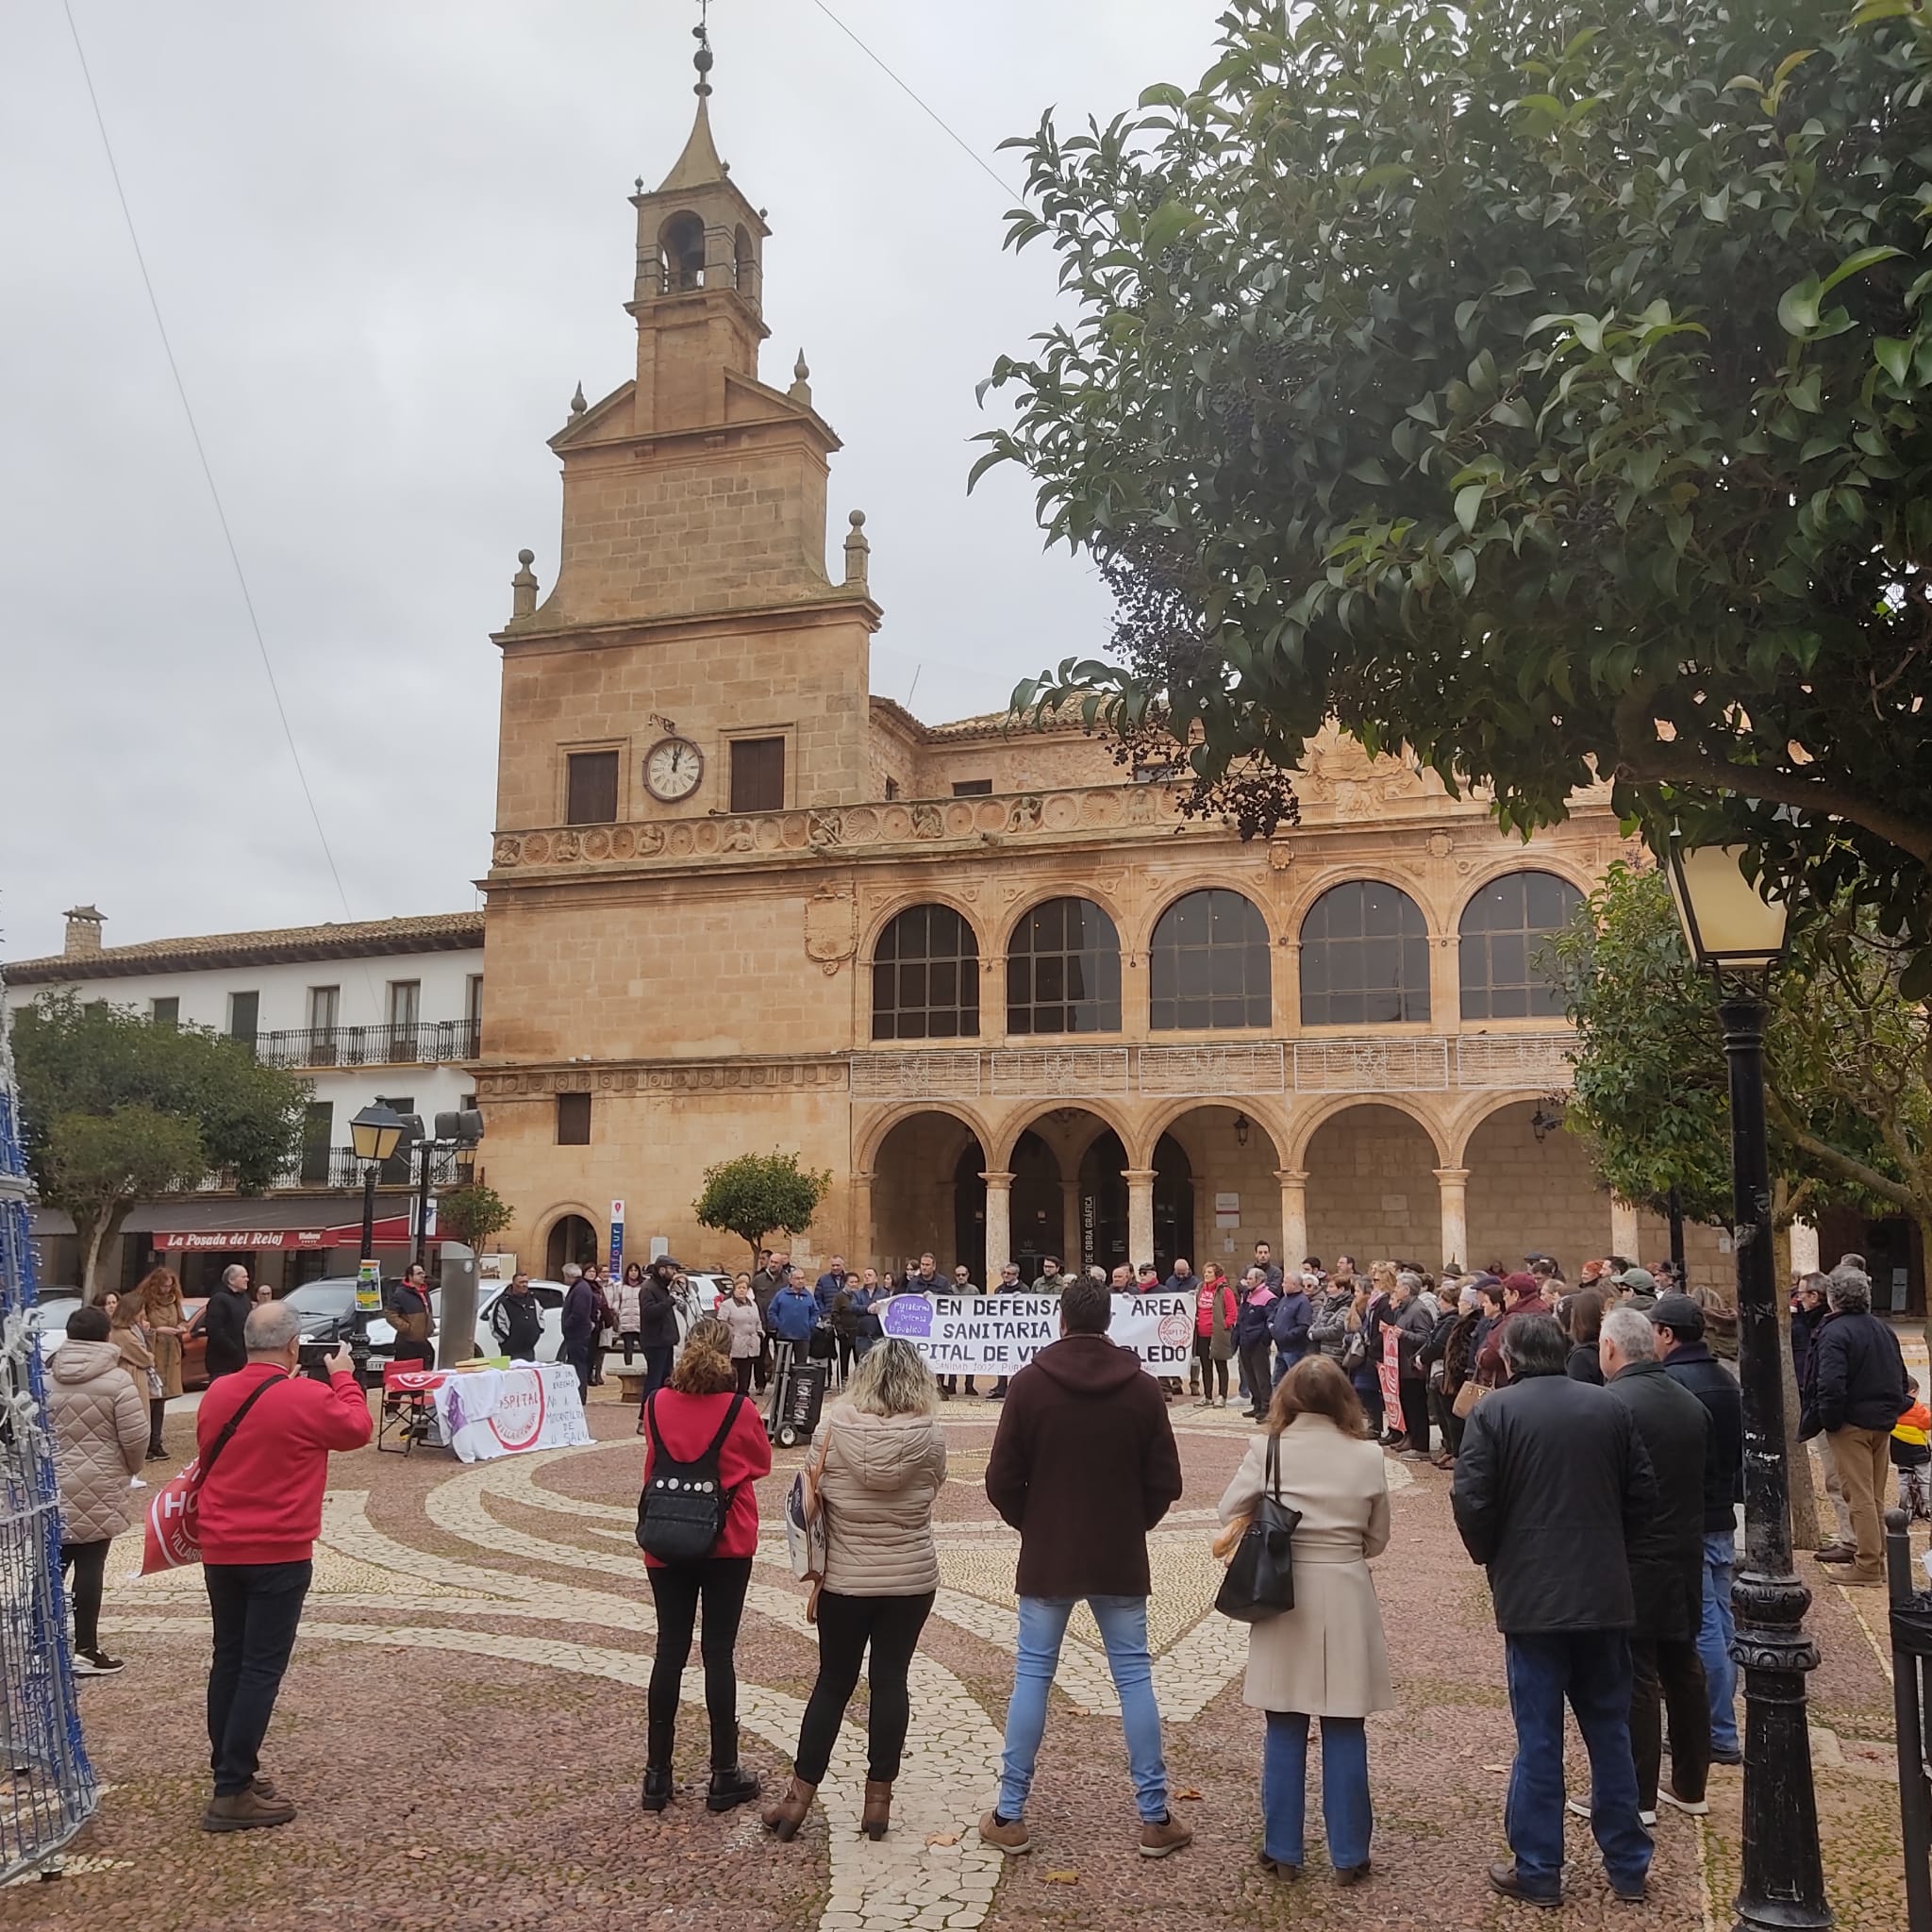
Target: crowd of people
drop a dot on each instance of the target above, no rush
(1594, 1441)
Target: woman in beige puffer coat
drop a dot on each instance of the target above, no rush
(882, 1457)
(100, 1437)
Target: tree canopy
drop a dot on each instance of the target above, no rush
(758, 1194)
(1543, 385)
(1848, 1062)
(115, 1109)
(470, 1213)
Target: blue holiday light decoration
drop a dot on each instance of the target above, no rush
(47, 1789)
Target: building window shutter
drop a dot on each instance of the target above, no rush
(758, 775)
(245, 1013)
(573, 1120)
(592, 798)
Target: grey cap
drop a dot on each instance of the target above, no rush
(1679, 1314)
(1639, 1280)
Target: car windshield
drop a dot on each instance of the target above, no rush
(322, 1298)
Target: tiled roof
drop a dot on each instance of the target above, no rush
(435, 932)
(985, 724)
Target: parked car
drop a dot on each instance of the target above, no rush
(549, 1296)
(47, 1321)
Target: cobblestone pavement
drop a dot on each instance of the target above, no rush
(462, 1729)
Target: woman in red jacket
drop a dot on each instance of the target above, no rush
(1216, 1316)
(688, 1415)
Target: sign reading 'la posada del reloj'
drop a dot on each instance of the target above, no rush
(1004, 1332)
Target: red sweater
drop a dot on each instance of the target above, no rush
(687, 1423)
(262, 1503)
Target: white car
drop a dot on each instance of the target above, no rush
(47, 1321)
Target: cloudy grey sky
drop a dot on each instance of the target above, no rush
(388, 238)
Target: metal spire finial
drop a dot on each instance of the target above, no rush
(702, 59)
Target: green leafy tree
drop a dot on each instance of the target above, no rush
(1543, 385)
(472, 1213)
(1848, 1062)
(115, 1109)
(758, 1194)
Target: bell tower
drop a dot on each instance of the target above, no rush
(700, 268)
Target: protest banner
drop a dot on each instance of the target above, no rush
(1389, 1369)
(1004, 1332)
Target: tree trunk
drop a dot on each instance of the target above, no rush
(92, 1232)
(1922, 1221)
(1797, 1457)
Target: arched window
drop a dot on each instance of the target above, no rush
(1207, 966)
(925, 977)
(1365, 957)
(1063, 970)
(682, 239)
(744, 265)
(1506, 972)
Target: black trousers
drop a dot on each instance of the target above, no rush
(1210, 1368)
(846, 1623)
(1667, 1681)
(1255, 1368)
(742, 1366)
(1442, 1413)
(678, 1589)
(631, 1339)
(157, 1410)
(577, 1354)
(256, 1608)
(1415, 1413)
(657, 1360)
(89, 1562)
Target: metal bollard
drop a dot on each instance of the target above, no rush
(1910, 1714)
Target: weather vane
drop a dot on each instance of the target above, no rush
(702, 59)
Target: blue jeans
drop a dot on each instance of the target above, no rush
(1123, 1622)
(1591, 1669)
(1346, 1815)
(1714, 1635)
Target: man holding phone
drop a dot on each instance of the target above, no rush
(264, 1436)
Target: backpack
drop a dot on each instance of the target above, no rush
(682, 1509)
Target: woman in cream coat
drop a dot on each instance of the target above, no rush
(883, 1457)
(1325, 1658)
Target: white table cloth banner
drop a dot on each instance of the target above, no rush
(484, 1413)
(1004, 1332)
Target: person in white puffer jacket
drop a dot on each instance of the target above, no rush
(882, 1457)
(100, 1441)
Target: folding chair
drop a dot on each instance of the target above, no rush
(409, 1410)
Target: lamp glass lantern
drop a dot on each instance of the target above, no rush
(376, 1131)
(1730, 924)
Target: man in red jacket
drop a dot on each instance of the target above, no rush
(259, 1511)
(1084, 1465)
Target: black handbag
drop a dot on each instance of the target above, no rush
(682, 1510)
(1259, 1583)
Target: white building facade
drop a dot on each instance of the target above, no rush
(381, 1009)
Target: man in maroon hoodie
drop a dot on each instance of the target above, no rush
(1084, 1465)
(259, 1511)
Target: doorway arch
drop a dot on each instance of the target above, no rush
(571, 1238)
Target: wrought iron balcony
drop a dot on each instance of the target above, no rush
(323, 1166)
(428, 1044)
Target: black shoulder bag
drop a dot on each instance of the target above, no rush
(682, 1509)
(1259, 1583)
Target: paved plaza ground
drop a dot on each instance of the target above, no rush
(462, 1729)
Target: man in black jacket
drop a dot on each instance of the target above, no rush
(1551, 1485)
(517, 1320)
(1666, 1569)
(223, 1323)
(1855, 1391)
(1687, 1356)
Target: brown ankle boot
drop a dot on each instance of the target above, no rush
(789, 1814)
(877, 1814)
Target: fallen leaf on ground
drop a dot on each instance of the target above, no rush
(1501, 1770)
(943, 1838)
(1061, 1877)
(1190, 1793)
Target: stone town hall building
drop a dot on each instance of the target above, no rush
(996, 985)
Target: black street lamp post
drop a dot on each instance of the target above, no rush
(1739, 935)
(373, 1133)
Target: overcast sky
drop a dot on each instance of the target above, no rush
(388, 238)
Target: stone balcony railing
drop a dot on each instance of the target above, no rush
(1409, 1063)
(841, 827)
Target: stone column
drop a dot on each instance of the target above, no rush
(1622, 1228)
(1140, 1182)
(1452, 1184)
(1294, 1216)
(859, 1251)
(999, 1226)
(1071, 1257)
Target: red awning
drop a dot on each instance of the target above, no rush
(391, 1231)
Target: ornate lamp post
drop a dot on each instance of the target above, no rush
(1739, 936)
(373, 1133)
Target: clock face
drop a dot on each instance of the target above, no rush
(673, 767)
